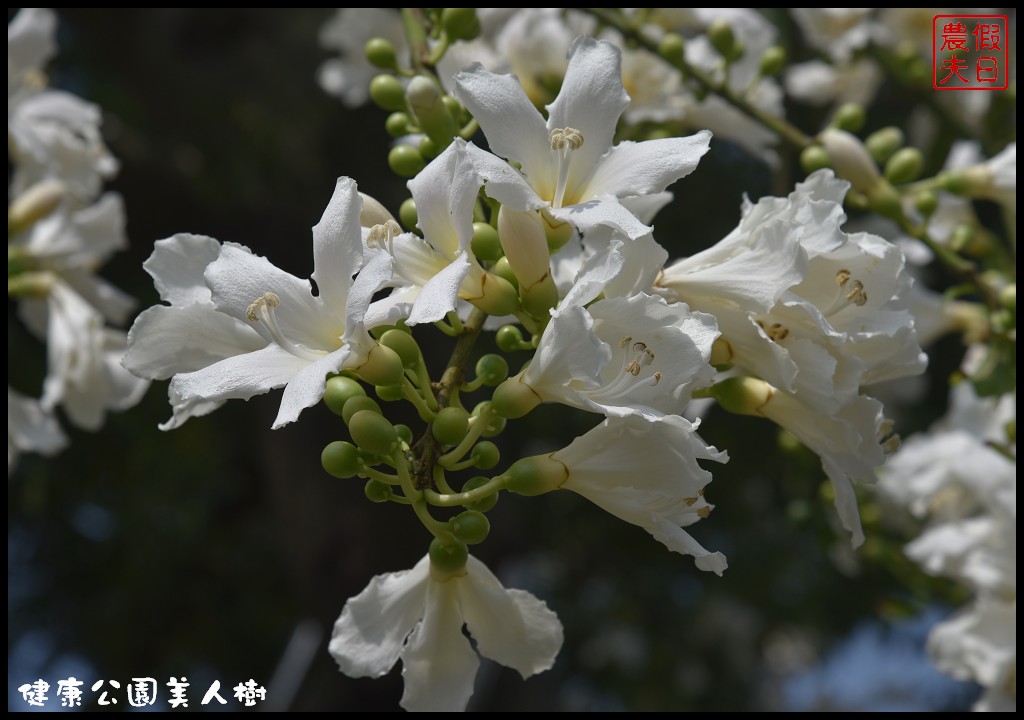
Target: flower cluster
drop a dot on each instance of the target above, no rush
(60, 231)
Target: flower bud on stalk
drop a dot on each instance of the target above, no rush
(526, 248)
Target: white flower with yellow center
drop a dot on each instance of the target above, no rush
(417, 616)
(238, 327)
(567, 164)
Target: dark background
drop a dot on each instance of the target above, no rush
(202, 551)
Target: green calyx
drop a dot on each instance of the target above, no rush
(536, 475)
(471, 527)
(447, 560)
(513, 398)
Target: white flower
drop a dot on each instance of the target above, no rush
(30, 429)
(980, 644)
(568, 164)
(348, 77)
(417, 616)
(812, 310)
(818, 83)
(996, 179)
(51, 133)
(238, 326)
(839, 32)
(431, 274)
(645, 473)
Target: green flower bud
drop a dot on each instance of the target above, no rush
(485, 455)
(540, 297)
(485, 244)
(849, 117)
(904, 166)
(556, 232)
(671, 47)
(814, 157)
(460, 23)
(381, 367)
(503, 270)
(525, 244)
(450, 425)
(407, 214)
(431, 113)
(492, 369)
(355, 404)
(881, 144)
(471, 527)
(387, 92)
(773, 60)
(372, 432)
(495, 423)
(404, 345)
(487, 503)
(722, 38)
(447, 561)
(743, 395)
(508, 338)
(536, 475)
(1008, 297)
(340, 459)
(885, 200)
(405, 161)
(954, 181)
(428, 148)
(376, 491)
(1011, 430)
(499, 296)
(397, 124)
(381, 53)
(926, 202)
(457, 109)
(963, 236)
(339, 390)
(513, 399)
(404, 433)
(390, 393)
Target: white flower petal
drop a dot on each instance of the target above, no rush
(239, 376)
(438, 664)
(369, 635)
(177, 266)
(647, 168)
(30, 429)
(337, 246)
(441, 293)
(602, 211)
(511, 627)
(306, 388)
(445, 193)
(504, 184)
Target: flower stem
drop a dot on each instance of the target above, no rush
(466, 498)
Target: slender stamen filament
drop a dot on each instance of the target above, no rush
(563, 142)
(628, 379)
(261, 310)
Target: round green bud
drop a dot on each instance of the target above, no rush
(492, 369)
(372, 432)
(536, 475)
(498, 296)
(814, 157)
(381, 367)
(471, 527)
(404, 345)
(448, 560)
(885, 200)
(556, 232)
(455, 108)
(381, 53)
(487, 503)
(495, 423)
(963, 236)
(390, 393)
(849, 117)
(405, 161)
(486, 245)
(508, 338)
(485, 455)
(671, 47)
(450, 425)
(340, 459)
(513, 399)
(460, 23)
(904, 166)
(355, 404)
(376, 491)
(722, 38)
(926, 202)
(881, 144)
(954, 181)
(387, 92)
(773, 60)
(743, 395)
(503, 270)
(428, 148)
(540, 297)
(407, 214)
(397, 124)
(404, 433)
(338, 391)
